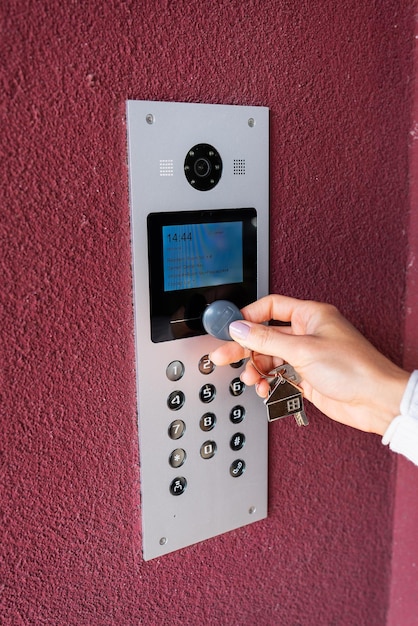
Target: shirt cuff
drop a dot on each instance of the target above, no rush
(402, 433)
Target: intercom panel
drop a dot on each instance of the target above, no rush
(199, 214)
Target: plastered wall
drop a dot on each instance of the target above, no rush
(337, 78)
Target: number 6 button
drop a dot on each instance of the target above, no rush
(236, 387)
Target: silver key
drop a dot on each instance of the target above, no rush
(285, 398)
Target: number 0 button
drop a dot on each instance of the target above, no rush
(208, 449)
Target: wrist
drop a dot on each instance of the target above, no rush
(388, 399)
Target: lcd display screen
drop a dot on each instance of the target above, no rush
(196, 257)
(202, 255)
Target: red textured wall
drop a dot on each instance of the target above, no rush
(336, 77)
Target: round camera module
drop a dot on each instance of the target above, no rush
(203, 167)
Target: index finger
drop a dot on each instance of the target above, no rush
(273, 306)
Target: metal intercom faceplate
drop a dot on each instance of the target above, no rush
(199, 214)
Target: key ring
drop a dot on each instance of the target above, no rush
(272, 374)
(282, 372)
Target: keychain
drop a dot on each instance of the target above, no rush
(285, 396)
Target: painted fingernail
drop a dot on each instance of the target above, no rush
(239, 330)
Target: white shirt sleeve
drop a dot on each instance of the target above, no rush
(402, 433)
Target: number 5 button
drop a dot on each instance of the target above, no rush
(207, 393)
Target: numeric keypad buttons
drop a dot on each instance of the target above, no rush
(176, 429)
(237, 414)
(175, 370)
(236, 387)
(178, 486)
(237, 468)
(208, 449)
(205, 365)
(207, 393)
(237, 441)
(177, 457)
(207, 421)
(176, 400)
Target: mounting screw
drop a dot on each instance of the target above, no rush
(150, 118)
(252, 510)
(163, 541)
(251, 122)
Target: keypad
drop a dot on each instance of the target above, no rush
(235, 414)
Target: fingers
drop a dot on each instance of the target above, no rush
(267, 340)
(270, 307)
(227, 353)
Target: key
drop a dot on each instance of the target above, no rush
(289, 372)
(285, 398)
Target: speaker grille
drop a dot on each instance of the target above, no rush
(239, 167)
(166, 167)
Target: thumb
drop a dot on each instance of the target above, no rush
(266, 340)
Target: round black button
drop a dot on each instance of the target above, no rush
(176, 400)
(238, 364)
(236, 387)
(178, 486)
(208, 449)
(237, 468)
(177, 457)
(207, 421)
(176, 429)
(237, 414)
(207, 393)
(205, 365)
(237, 441)
(175, 370)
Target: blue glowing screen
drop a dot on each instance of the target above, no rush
(202, 255)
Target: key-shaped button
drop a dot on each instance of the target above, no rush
(285, 398)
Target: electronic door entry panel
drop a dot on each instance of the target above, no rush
(198, 178)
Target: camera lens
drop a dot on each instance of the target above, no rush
(202, 167)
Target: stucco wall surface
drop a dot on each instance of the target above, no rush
(336, 76)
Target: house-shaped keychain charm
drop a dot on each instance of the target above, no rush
(285, 399)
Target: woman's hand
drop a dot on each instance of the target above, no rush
(343, 374)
